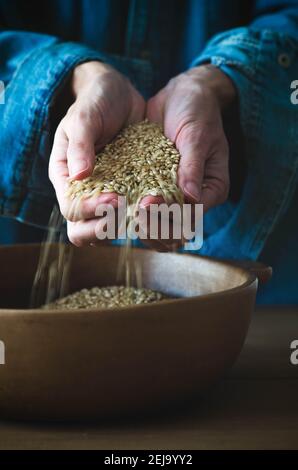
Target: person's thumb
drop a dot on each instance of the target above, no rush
(192, 163)
(80, 153)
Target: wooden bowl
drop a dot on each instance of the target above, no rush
(86, 364)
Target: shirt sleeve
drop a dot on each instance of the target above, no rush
(277, 15)
(262, 61)
(33, 68)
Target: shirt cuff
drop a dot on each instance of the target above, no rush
(26, 132)
(262, 64)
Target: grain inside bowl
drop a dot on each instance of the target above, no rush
(106, 297)
(139, 161)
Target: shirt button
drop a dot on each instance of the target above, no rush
(284, 60)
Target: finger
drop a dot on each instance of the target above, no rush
(214, 193)
(148, 200)
(88, 208)
(155, 108)
(83, 233)
(137, 109)
(193, 145)
(58, 169)
(81, 147)
(73, 210)
(216, 178)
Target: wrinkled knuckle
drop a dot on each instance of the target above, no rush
(81, 116)
(78, 118)
(194, 166)
(190, 132)
(192, 83)
(196, 132)
(79, 143)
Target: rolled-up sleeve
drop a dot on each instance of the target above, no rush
(262, 63)
(33, 68)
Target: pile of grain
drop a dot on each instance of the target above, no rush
(138, 162)
(106, 297)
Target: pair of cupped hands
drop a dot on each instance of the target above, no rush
(189, 108)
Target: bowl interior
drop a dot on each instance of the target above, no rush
(179, 275)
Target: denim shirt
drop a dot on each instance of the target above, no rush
(254, 42)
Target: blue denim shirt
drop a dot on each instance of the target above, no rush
(255, 43)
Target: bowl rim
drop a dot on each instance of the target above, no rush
(251, 279)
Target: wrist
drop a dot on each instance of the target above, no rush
(218, 83)
(84, 74)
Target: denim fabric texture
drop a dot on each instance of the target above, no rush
(254, 42)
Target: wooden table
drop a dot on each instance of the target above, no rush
(254, 407)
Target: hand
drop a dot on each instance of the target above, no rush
(189, 109)
(105, 101)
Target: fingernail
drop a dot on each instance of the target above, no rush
(191, 189)
(77, 167)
